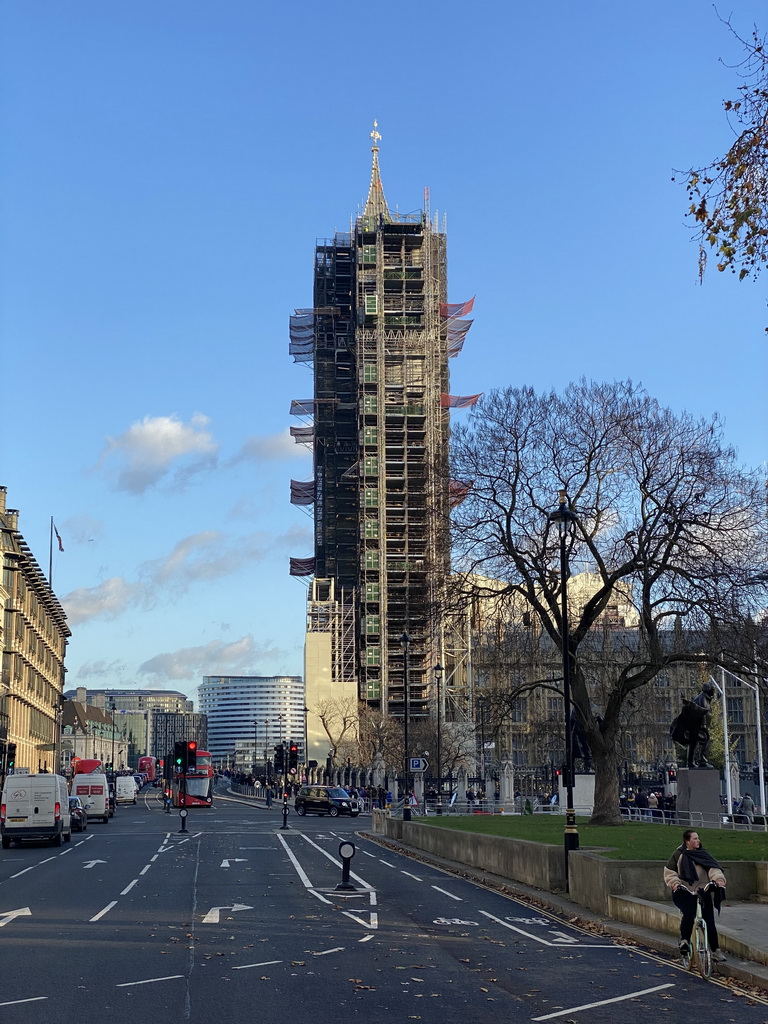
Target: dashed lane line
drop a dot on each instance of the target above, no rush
(148, 981)
(446, 893)
(106, 910)
(15, 1002)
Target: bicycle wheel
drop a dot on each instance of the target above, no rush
(703, 952)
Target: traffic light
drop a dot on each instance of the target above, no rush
(293, 756)
(279, 760)
(191, 755)
(11, 758)
(673, 775)
(179, 754)
(756, 775)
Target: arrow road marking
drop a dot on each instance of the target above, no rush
(9, 915)
(372, 924)
(212, 917)
(233, 860)
(91, 863)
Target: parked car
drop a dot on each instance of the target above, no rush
(78, 814)
(321, 800)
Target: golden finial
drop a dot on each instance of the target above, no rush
(375, 135)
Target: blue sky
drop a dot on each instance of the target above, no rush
(166, 169)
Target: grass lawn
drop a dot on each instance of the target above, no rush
(624, 842)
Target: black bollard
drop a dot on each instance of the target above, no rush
(183, 815)
(346, 852)
(285, 812)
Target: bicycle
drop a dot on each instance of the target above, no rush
(699, 954)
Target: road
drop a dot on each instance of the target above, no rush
(239, 920)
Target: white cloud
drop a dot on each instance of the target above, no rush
(269, 448)
(155, 446)
(241, 657)
(105, 601)
(81, 529)
(101, 669)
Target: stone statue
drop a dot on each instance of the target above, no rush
(691, 727)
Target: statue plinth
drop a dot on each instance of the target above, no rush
(698, 789)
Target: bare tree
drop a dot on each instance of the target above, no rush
(729, 197)
(666, 524)
(339, 718)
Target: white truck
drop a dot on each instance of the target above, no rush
(35, 807)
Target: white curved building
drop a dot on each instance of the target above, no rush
(249, 715)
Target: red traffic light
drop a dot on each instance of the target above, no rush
(191, 745)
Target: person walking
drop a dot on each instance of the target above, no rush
(689, 870)
(747, 807)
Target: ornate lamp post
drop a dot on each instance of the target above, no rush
(565, 519)
(438, 670)
(404, 642)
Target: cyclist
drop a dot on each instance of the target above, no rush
(691, 868)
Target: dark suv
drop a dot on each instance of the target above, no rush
(331, 800)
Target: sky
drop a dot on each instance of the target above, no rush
(165, 172)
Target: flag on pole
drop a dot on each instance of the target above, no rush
(58, 538)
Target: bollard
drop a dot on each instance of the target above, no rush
(285, 812)
(346, 852)
(183, 815)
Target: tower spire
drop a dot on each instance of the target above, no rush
(376, 204)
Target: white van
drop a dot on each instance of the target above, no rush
(125, 792)
(35, 807)
(93, 791)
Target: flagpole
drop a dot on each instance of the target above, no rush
(50, 557)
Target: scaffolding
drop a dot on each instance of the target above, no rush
(379, 337)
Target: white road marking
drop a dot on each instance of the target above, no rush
(325, 952)
(386, 862)
(24, 871)
(365, 938)
(233, 860)
(128, 887)
(415, 877)
(333, 860)
(264, 963)
(145, 869)
(9, 915)
(106, 910)
(369, 854)
(149, 981)
(372, 923)
(558, 943)
(68, 850)
(47, 859)
(446, 893)
(15, 1002)
(153, 858)
(92, 863)
(301, 872)
(605, 1002)
(212, 917)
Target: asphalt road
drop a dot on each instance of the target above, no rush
(238, 920)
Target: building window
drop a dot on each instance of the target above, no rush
(518, 710)
(735, 710)
(372, 624)
(371, 497)
(371, 465)
(371, 529)
(554, 706)
(371, 305)
(371, 435)
(369, 254)
(369, 405)
(372, 592)
(370, 373)
(371, 559)
(373, 657)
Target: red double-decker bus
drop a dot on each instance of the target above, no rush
(148, 765)
(195, 788)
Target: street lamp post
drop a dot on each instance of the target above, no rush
(565, 518)
(255, 744)
(438, 670)
(404, 643)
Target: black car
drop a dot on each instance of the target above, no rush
(78, 815)
(331, 800)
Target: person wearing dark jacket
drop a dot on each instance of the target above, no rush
(688, 870)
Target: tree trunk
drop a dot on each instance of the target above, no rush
(606, 810)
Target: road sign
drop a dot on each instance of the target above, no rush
(419, 764)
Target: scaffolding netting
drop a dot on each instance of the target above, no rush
(459, 401)
(303, 407)
(302, 566)
(302, 492)
(458, 490)
(303, 435)
(449, 310)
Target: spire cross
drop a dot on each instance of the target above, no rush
(375, 135)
